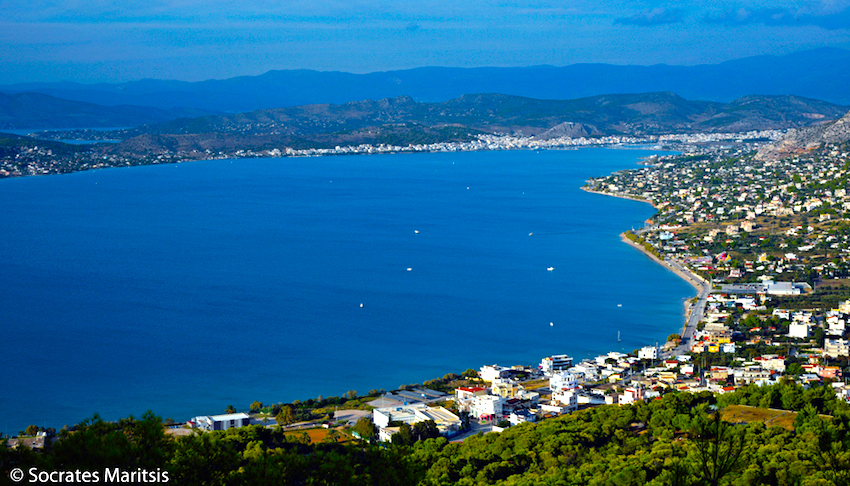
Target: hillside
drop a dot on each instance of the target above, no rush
(36, 110)
(820, 73)
(676, 439)
(403, 121)
(809, 138)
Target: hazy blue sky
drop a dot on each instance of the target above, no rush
(104, 40)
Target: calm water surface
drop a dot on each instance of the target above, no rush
(185, 288)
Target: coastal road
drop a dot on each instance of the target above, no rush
(697, 310)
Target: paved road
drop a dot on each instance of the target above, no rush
(697, 310)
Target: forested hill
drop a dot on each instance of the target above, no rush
(677, 439)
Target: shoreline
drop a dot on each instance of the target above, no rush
(697, 282)
(688, 328)
(681, 271)
(619, 196)
(689, 277)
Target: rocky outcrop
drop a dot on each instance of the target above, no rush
(569, 129)
(803, 140)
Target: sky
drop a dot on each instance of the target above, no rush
(90, 41)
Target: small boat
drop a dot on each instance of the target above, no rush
(416, 231)
(550, 268)
(361, 305)
(619, 305)
(551, 323)
(530, 234)
(409, 269)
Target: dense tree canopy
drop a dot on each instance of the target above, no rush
(677, 439)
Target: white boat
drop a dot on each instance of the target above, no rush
(550, 268)
(409, 269)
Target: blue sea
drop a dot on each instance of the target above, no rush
(185, 288)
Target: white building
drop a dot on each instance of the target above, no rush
(465, 395)
(631, 395)
(530, 397)
(490, 373)
(771, 362)
(785, 288)
(520, 416)
(555, 363)
(446, 421)
(568, 399)
(221, 422)
(836, 347)
(563, 380)
(799, 330)
(836, 325)
(589, 370)
(487, 406)
(751, 374)
(648, 352)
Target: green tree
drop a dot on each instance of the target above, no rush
(204, 458)
(404, 436)
(366, 429)
(719, 448)
(284, 418)
(332, 437)
(426, 429)
(129, 444)
(230, 409)
(794, 369)
(256, 406)
(470, 373)
(819, 336)
(31, 430)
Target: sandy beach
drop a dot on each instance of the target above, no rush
(630, 198)
(693, 311)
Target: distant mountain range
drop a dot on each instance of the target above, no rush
(36, 110)
(403, 121)
(818, 74)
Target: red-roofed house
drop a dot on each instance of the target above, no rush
(463, 393)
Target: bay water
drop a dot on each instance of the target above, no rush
(185, 288)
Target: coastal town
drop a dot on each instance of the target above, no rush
(738, 343)
(55, 158)
(763, 240)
